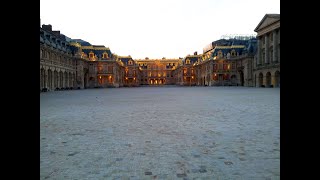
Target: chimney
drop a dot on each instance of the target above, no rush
(47, 27)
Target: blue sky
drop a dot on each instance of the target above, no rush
(154, 28)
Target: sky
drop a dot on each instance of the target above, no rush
(155, 28)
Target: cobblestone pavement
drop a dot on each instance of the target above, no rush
(160, 133)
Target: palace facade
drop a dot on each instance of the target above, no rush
(267, 63)
(67, 63)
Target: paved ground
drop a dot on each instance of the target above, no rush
(161, 133)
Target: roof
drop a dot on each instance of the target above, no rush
(82, 42)
(267, 20)
(125, 59)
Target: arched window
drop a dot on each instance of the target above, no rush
(105, 55)
(233, 52)
(91, 54)
(188, 61)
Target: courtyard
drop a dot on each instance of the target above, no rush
(160, 133)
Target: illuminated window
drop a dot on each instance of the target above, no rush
(130, 62)
(188, 61)
(220, 53)
(215, 67)
(91, 54)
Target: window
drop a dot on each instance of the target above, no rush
(105, 55)
(233, 53)
(188, 61)
(110, 69)
(91, 54)
(215, 67)
(220, 53)
(271, 54)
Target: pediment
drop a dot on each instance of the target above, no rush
(267, 20)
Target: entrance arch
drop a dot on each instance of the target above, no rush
(233, 79)
(268, 79)
(260, 79)
(241, 78)
(49, 79)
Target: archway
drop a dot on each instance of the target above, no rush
(61, 79)
(42, 80)
(233, 79)
(260, 79)
(91, 82)
(49, 79)
(268, 79)
(85, 77)
(241, 78)
(66, 79)
(70, 80)
(55, 74)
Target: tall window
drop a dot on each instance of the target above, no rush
(110, 69)
(105, 55)
(271, 54)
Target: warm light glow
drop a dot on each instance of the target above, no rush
(192, 77)
(215, 58)
(100, 77)
(109, 77)
(228, 66)
(134, 78)
(126, 78)
(215, 74)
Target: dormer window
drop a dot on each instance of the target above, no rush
(220, 53)
(91, 54)
(130, 62)
(233, 53)
(105, 55)
(188, 61)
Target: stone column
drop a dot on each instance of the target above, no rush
(45, 78)
(266, 48)
(274, 58)
(58, 80)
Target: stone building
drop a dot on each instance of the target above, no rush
(157, 71)
(58, 68)
(185, 73)
(132, 73)
(67, 63)
(225, 62)
(267, 62)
